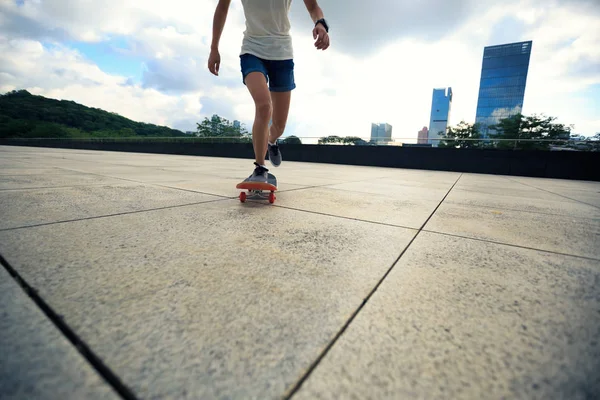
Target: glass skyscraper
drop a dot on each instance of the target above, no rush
(502, 85)
(441, 104)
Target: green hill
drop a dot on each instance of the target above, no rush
(25, 115)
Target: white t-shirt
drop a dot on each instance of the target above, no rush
(267, 33)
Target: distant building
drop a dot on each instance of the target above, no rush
(423, 135)
(441, 104)
(381, 133)
(236, 124)
(502, 85)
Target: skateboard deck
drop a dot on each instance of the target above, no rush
(256, 189)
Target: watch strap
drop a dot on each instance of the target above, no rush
(324, 23)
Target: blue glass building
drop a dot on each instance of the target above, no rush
(441, 104)
(502, 85)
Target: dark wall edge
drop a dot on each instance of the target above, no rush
(541, 164)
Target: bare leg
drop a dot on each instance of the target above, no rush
(281, 107)
(257, 85)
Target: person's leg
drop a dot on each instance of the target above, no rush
(281, 107)
(281, 84)
(254, 76)
(257, 85)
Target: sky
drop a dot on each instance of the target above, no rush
(147, 60)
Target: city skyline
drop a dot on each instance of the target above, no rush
(149, 63)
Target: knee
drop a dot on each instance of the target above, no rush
(264, 110)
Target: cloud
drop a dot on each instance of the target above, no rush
(95, 21)
(170, 36)
(14, 23)
(586, 67)
(361, 28)
(172, 76)
(385, 58)
(218, 105)
(503, 111)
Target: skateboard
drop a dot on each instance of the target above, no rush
(256, 189)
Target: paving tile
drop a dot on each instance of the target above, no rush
(394, 189)
(10, 159)
(35, 181)
(227, 187)
(222, 299)
(560, 184)
(463, 319)
(21, 208)
(400, 210)
(424, 178)
(497, 187)
(304, 178)
(24, 169)
(37, 361)
(331, 171)
(589, 197)
(562, 234)
(511, 201)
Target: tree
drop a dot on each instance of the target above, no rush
(48, 130)
(525, 130)
(351, 140)
(507, 128)
(455, 137)
(354, 140)
(217, 126)
(330, 139)
(291, 140)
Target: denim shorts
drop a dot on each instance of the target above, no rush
(279, 73)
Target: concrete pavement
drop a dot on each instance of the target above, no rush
(359, 282)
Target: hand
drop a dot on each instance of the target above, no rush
(214, 62)
(321, 36)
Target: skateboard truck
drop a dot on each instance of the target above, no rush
(257, 194)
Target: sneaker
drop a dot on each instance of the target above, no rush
(259, 174)
(274, 154)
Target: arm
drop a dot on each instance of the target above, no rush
(319, 32)
(314, 10)
(214, 60)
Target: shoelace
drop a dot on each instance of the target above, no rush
(275, 149)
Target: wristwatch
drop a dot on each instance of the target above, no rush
(324, 23)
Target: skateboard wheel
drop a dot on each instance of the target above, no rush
(272, 198)
(243, 197)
